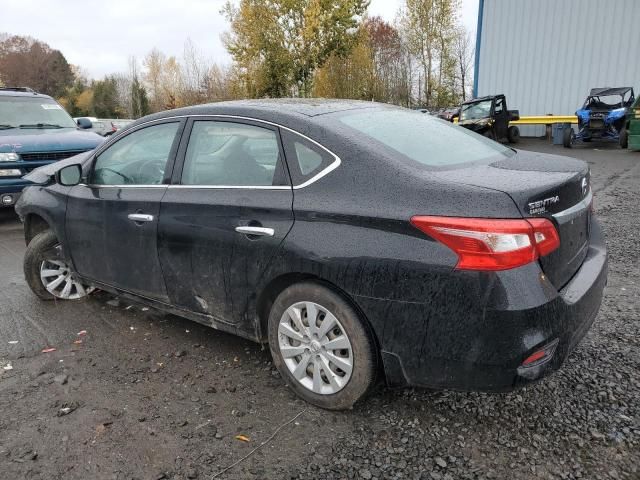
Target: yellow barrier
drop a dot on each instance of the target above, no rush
(540, 120)
(545, 120)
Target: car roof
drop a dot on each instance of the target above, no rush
(307, 107)
(605, 91)
(292, 113)
(481, 99)
(19, 93)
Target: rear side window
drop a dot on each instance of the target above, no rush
(423, 138)
(305, 158)
(232, 154)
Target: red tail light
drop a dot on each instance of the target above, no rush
(492, 244)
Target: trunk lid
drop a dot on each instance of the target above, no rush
(542, 185)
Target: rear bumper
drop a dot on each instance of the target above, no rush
(469, 347)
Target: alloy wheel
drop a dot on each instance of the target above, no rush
(60, 282)
(315, 348)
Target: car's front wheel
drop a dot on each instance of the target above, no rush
(322, 346)
(47, 273)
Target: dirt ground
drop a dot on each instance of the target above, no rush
(143, 395)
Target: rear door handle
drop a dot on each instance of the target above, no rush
(140, 217)
(259, 231)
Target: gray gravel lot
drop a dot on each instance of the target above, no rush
(150, 396)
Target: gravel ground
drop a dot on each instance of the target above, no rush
(150, 396)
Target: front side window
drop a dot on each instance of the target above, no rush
(423, 138)
(231, 154)
(476, 110)
(140, 158)
(499, 106)
(33, 112)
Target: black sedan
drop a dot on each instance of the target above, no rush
(355, 238)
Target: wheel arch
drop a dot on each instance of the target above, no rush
(33, 225)
(277, 285)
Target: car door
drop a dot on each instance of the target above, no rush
(112, 219)
(224, 216)
(501, 118)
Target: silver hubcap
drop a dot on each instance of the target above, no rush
(60, 282)
(315, 348)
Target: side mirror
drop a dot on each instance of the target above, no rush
(70, 175)
(84, 123)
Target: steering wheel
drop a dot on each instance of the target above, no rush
(120, 174)
(152, 169)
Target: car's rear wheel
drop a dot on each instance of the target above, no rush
(568, 137)
(513, 134)
(322, 346)
(47, 273)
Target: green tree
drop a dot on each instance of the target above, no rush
(350, 76)
(430, 27)
(75, 98)
(139, 100)
(105, 98)
(279, 44)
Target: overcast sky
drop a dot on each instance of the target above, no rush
(100, 35)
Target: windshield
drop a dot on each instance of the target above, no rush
(605, 102)
(474, 111)
(423, 138)
(33, 112)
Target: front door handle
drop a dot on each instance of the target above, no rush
(258, 231)
(140, 217)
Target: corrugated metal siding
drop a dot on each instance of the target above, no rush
(546, 55)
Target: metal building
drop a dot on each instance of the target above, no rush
(546, 55)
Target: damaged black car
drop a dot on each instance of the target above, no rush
(359, 240)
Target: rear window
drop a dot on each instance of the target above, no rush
(423, 138)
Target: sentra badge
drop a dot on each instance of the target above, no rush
(540, 206)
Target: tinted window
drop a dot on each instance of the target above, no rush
(308, 159)
(140, 158)
(230, 154)
(305, 158)
(423, 138)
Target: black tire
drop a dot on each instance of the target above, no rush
(568, 137)
(513, 134)
(41, 248)
(358, 332)
(624, 138)
(33, 258)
